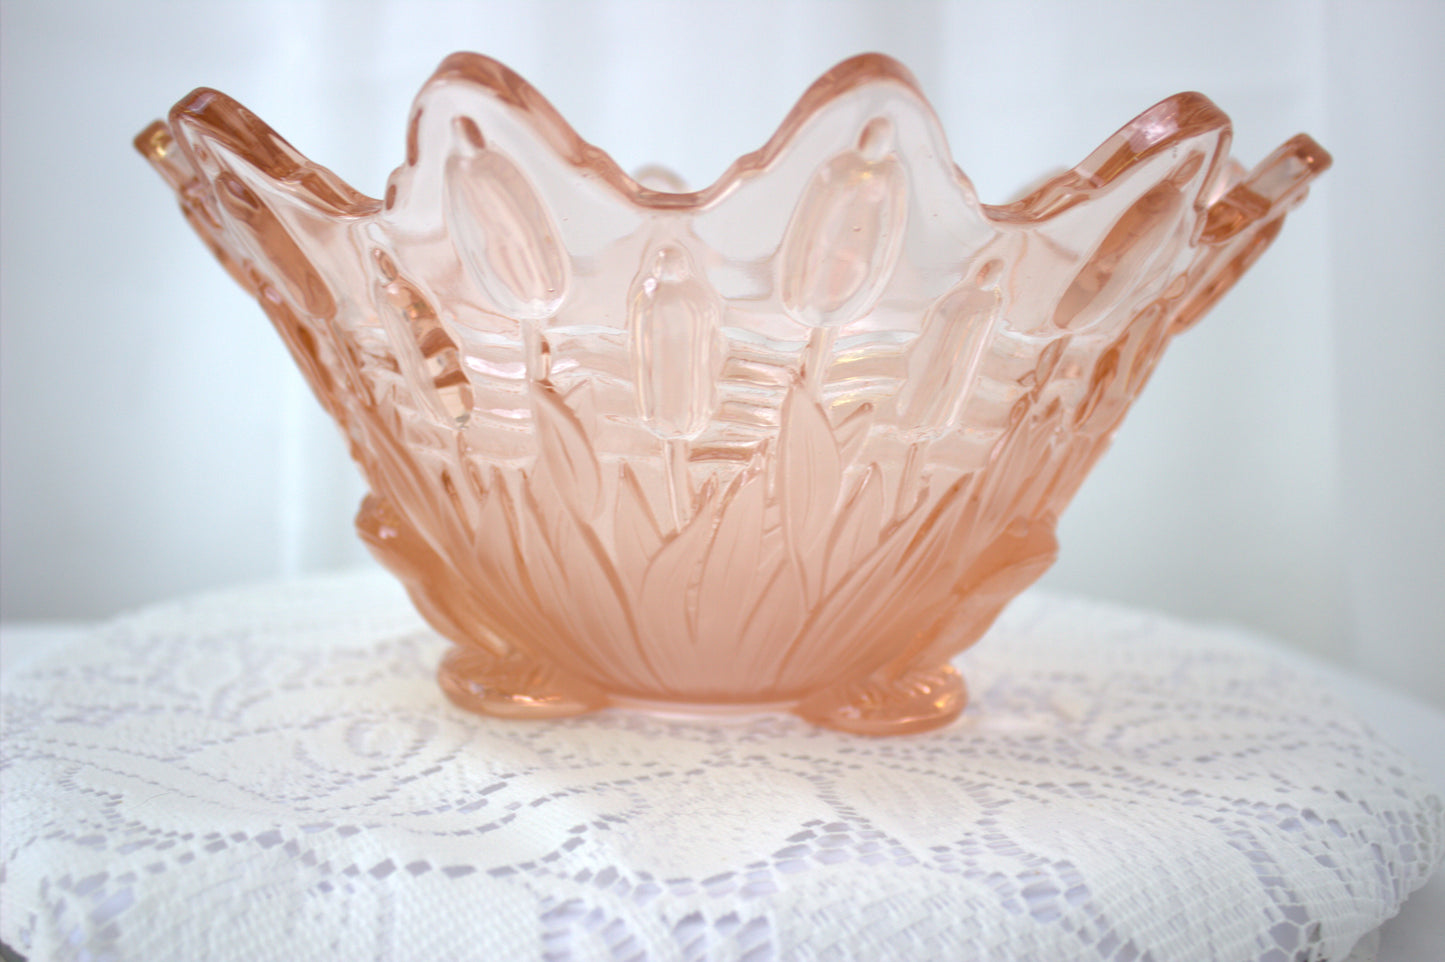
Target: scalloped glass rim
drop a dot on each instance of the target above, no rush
(1181, 115)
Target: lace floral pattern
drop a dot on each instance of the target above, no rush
(273, 773)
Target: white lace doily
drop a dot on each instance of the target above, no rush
(274, 773)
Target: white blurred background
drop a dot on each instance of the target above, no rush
(1284, 470)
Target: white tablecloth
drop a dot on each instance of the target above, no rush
(272, 773)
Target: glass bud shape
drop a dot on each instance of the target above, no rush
(674, 323)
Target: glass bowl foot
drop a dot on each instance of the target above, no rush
(512, 686)
(918, 700)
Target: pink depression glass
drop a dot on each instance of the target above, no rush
(789, 442)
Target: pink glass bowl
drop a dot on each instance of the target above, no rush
(791, 441)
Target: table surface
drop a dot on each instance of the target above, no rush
(1417, 729)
